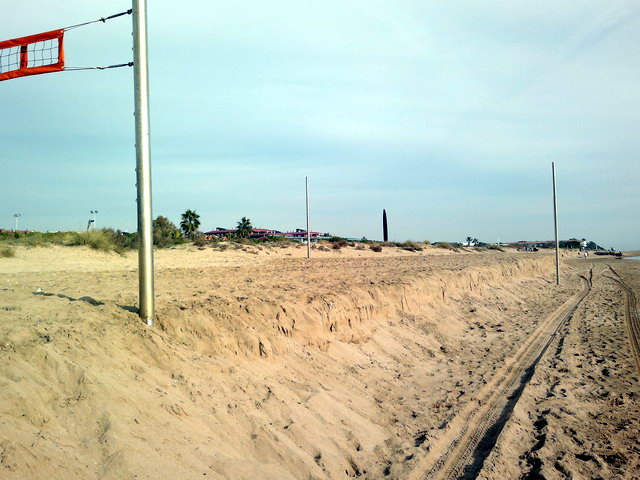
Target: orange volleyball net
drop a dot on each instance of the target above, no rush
(43, 52)
(32, 55)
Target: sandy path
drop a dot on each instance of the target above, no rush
(578, 417)
(631, 315)
(461, 452)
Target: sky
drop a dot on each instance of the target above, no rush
(446, 114)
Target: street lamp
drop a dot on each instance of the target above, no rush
(16, 216)
(93, 220)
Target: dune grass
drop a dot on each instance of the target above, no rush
(6, 251)
(106, 240)
(445, 245)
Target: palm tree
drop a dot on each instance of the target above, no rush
(190, 223)
(244, 227)
(469, 240)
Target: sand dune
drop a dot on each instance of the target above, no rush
(266, 365)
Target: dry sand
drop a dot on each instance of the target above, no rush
(266, 365)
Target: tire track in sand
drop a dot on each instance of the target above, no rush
(631, 314)
(461, 451)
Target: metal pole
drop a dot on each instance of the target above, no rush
(385, 230)
(143, 161)
(555, 222)
(306, 194)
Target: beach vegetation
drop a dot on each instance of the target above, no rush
(446, 245)
(244, 227)
(7, 251)
(411, 246)
(105, 239)
(376, 247)
(102, 240)
(165, 233)
(200, 241)
(190, 223)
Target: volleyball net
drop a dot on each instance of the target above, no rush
(42, 53)
(32, 55)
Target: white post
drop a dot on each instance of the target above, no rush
(143, 161)
(16, 216)
(555, 221)
(306, 194)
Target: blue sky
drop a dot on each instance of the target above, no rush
(447, 114)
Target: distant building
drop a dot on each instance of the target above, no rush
(534, 244)
(262, 233)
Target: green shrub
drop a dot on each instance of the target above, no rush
(165, 233)
(7, 252)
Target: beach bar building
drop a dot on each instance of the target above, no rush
(299, 234)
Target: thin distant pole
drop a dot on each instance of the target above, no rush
(306, 195)
(555, 222)
(143, 161)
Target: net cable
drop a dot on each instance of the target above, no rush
(101, 19)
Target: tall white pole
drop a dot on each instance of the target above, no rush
(143, 161)
(555, 221)
(306, 195)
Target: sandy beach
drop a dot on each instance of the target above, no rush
(353, 364)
